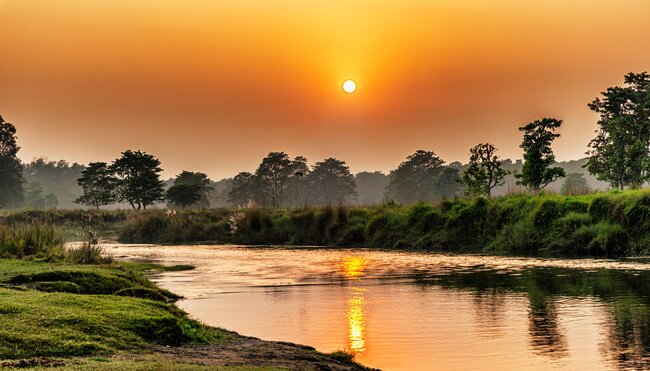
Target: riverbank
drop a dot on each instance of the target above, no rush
(601, 224)
(56, 313)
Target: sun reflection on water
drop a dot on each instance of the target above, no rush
(353, 268)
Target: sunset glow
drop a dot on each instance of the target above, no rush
(263, 73)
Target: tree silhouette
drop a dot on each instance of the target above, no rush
(98, 185)
(11, 171)
(619, 154)
(138, 179)
(484, 171)
(413, 180)
(537, 172)
(185, 184)
(243, 189)
(331, 183)
(184, 194)
(273, 175)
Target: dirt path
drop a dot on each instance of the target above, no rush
(255, 352)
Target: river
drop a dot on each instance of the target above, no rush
(420, 311)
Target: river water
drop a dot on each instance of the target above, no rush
(420, 311)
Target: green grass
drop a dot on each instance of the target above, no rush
(40, 320)
(601, 224)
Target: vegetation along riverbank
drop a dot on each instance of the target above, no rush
(78, 309)
(616, 223)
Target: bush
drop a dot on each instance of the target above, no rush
(88, 253)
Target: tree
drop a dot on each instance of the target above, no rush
(273, 175)
(331, 183)
(200, 183)
(371, 187)
(98, 185)
(138, 179)
(297, 183)
(414, 178)
(619, 154)
(537, 172)
(35, 198)
(184, 194)
(484, 171)
(58, 178)
(11, 171)
(575, 184)
(243, 187)
(447, 184)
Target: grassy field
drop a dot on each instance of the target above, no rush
(600, 224)
(78, 309)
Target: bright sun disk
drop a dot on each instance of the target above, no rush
(349, 86)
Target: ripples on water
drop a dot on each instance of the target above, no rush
(400, 310)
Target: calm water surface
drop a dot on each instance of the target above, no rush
(418, 311)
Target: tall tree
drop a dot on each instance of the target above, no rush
(484, 171)
(273, 175)
(58, 178)
(98, 185)
(138, 179)
(371, 187)
(447, 184)
(296, 194)
(575, 184)
(184, 194)
(619, 154)
(331, 183)
(537, 171)
(35, 197)
(201, 184)
(243, 189)
(413, 180)
(11, 171)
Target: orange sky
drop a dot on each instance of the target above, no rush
(214, 85)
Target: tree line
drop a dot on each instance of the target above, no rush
(619, 154)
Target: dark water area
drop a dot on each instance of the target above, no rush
(408, 311)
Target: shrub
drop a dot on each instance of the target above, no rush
(88, 253)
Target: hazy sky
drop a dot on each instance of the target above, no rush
(215, 85)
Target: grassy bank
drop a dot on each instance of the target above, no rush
(607, 224)
(56, 311)
(603, 224)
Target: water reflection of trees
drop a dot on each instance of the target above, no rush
(626, 296)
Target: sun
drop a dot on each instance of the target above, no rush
(349, 86)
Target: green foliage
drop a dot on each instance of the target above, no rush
(575, 184)
(330, 182)
(30, 240)
(619, 154)
(484, 171)
(537, 171)
(273, 176)
(88, 253)
(413, 180)
(11, 171)
(56, 180)
(98, 185)
(138, 179)
(190, 189)
(184, 194)
(243, 189)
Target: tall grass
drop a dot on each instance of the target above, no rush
(88, 253)
(30, 240)
(600, 224)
